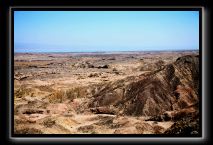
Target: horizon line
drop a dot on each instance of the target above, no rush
(107, 51)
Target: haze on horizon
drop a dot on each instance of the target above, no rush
(88, 31)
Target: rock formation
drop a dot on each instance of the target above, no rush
(173, 87)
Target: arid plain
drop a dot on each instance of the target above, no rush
(107, 93)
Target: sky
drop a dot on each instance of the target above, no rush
(88, 31)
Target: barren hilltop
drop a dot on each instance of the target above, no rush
(107, 93)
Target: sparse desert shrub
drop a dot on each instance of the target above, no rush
(61, 95)
(57, 97)
(21, 92)
(46, 88)
(70, 94)
(27, 131)
(86, 129)
(77, 92)
(49, 122)
(93, 75)
(114, 69)
(18, 121)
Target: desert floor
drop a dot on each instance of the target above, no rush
(52, 91)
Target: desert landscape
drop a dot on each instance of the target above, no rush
(153, 92)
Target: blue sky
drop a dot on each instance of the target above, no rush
(82, 31)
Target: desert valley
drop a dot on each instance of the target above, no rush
(107, 93)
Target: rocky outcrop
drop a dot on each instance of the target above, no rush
(103, 110)
(89, 65)
(103, 66)
(84, 65)
(172, 87)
